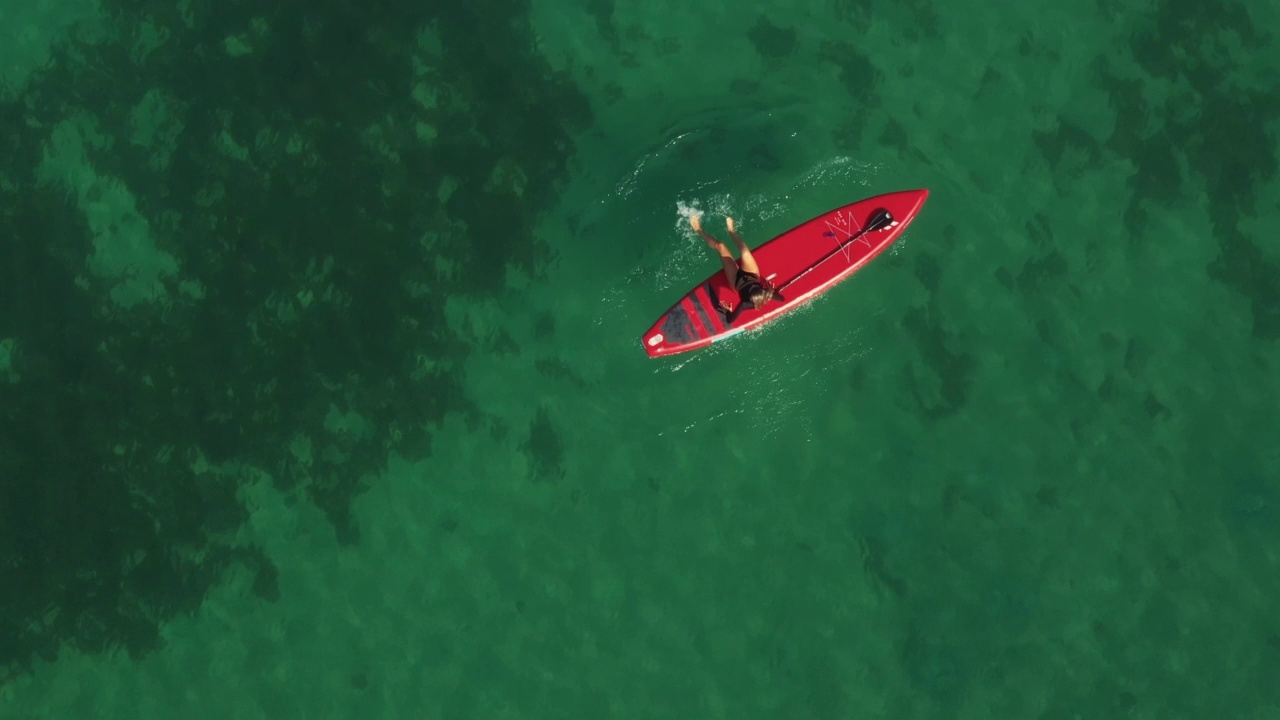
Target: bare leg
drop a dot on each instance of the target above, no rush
(713, 243)
(748, 261)
(726, 257)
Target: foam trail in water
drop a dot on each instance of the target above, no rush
(781, 396)
(840, 171)
(782, 392)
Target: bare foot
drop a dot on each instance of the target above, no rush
(696, 222)
(729, 223)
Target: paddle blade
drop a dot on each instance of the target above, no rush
(881, 219)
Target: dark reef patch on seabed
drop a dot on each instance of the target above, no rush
(602, 11)
(1219, 128)
(304, 295)
(544, 448)
(771, 41)
(954, 368)
(861, 80)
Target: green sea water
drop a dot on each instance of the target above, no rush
(323, 397)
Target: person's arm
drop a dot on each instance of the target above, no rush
(731, 314)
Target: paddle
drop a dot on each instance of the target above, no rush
(880, 219)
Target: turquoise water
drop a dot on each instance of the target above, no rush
(323, 393)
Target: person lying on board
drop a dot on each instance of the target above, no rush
(743, 275)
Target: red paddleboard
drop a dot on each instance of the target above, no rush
(801, 263)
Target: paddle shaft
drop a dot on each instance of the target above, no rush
(852, 239)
